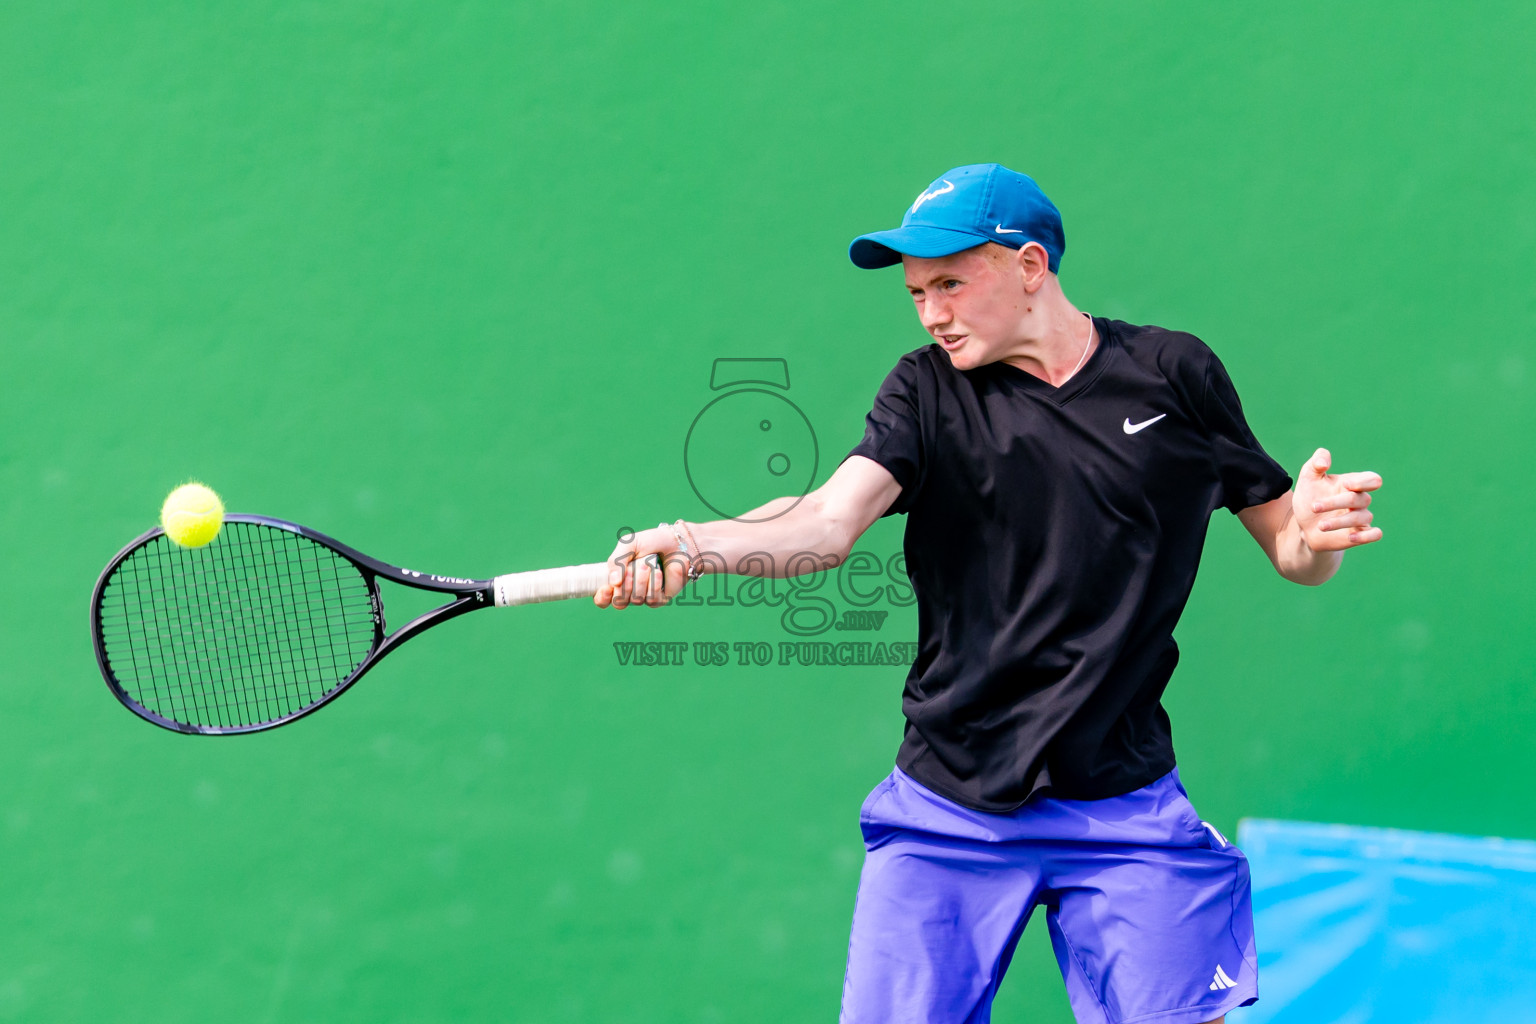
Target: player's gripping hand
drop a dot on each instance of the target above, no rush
(647, 569)
(1333, 509)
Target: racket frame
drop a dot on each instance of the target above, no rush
(469, 595)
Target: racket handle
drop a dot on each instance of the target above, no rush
(550, 584)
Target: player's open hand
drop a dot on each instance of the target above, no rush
(647, 569)
(1333, 509)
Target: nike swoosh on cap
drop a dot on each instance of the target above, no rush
(1131, 428)
(1009, 231)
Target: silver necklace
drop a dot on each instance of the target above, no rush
(1086, 346)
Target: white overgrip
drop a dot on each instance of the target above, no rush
(539, 585)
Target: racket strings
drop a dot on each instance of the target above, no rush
(254, 627)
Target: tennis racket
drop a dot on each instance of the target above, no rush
(269, 622)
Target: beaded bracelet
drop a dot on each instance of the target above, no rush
(678, 529)
(682, 545)
(700, 561)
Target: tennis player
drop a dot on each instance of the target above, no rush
(1057, 472)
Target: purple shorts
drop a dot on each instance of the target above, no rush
(1147, 906)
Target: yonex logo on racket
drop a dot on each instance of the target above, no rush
(434, 577)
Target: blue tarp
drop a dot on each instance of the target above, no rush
(1372, 925)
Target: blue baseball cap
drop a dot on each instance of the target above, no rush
(963, 208)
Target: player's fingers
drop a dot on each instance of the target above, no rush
(622, 553)
(640, 585)
(1343, 499)
(637, 578)
(674, 575)
(655, 594)
(1346, 521)
(621, 590)
(609, 592)
(1360, 481)
(1318, 464)
(1343, 540)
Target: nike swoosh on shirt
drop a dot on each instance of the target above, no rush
(1131, 428)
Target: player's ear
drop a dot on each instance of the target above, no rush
(1034, 265)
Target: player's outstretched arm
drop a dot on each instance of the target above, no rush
(1306, 532)
(815, 534)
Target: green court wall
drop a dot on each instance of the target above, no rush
(447, 281)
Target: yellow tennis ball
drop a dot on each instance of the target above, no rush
(192, 515)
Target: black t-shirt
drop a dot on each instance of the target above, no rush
(1052, 540)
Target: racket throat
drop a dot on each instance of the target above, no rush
(468, 602)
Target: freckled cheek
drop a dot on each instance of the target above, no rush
(979, 321)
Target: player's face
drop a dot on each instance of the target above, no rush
(971, 304)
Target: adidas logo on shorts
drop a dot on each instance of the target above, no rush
(1222, 981)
